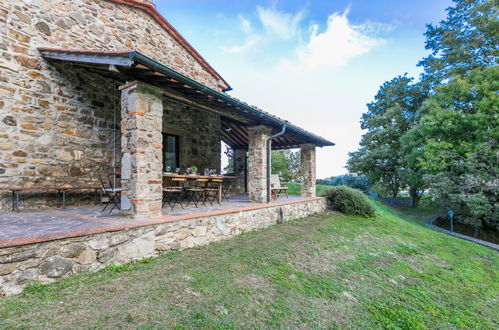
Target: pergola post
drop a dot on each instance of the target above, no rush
(141, 147)
(257, 162)
(307, 167)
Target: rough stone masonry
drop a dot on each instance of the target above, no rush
(56, 122)
(49, 261)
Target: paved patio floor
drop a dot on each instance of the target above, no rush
(34, 226)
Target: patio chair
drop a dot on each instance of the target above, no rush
(227, 187)
(276, 188)
(212, 189)
(173, 190)
(195, 190)
(113, 193)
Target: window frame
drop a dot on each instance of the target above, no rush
(165, 136)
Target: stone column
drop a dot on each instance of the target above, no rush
(307, 168)
(257, 162)
(240, 171)
(141, 147)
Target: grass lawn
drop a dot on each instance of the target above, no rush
(295, 188)
(327, 270)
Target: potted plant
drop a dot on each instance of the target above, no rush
(193, 170)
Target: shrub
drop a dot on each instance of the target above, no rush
(349, 201)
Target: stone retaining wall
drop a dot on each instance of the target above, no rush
(48, 261)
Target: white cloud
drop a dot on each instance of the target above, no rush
(249, 43)
(284, 25)
(245, 24)
(340, 41)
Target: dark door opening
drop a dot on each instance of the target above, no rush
(171, 154)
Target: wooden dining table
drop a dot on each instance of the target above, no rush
(208, 177)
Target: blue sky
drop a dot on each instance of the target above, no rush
(315, 63)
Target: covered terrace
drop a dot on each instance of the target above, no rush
(145, 84)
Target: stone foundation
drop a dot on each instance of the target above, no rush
(49, 261)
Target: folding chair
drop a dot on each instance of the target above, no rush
(112, 193)
(173, 189)
(227, 187)
(195, 193)
(212, 190)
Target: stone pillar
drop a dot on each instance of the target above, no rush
(307, 168)
(240, 171)
(141, 147)
(257, 163)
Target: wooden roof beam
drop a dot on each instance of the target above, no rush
(198, 105)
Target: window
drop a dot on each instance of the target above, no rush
(171, 151)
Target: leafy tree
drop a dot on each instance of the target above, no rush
(467, 39)
(351, 180)
(412, 173)
(460, 132)
(229, 153)
(286, 163)
(382, 157)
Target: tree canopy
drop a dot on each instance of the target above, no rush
(381, 156)
(459, 132)
(442, 132)
(467, 39)
(286, 163)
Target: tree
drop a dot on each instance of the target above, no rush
(381, 156)
(466, 40)
(354, 181)
(448, 141)
(286, 163)
(412, 173)
(229, 153)
(460, 132)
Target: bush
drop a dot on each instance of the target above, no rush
(349, 201)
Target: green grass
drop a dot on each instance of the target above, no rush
(323, 271)
(295, 188)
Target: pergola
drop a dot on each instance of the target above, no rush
(145, 82)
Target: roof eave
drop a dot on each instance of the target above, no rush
(128, 58)
(153, 64)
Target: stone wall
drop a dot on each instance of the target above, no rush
(56, 122)
(240, 183)
(199, 133)
(40, 146)
(56, 134)
(48, 261)
(88, 24)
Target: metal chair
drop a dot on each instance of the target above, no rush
(173, 190)
(195, 192)
(212, 190)
(227, 187)
(113, 193)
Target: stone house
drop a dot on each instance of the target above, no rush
(88, 85)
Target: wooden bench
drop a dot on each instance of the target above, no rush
(60, 190)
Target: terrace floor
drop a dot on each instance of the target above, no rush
(25, 227)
